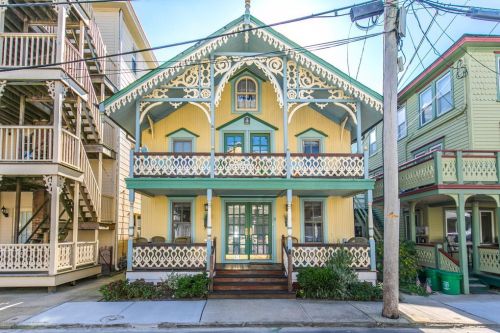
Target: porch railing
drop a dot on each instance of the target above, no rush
(26, 143)
(247, 165)
(286, 256)
(86, 253)
(447, 167)
(317, 255)
(27, 49)
(447, 263)
(64, 256)
(24, 257)
(489, 259)
(169, 256)
(426, 255)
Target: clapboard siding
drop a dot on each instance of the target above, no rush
(483, 97)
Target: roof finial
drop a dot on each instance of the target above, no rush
(247, 7)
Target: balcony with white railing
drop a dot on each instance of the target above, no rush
(471, 167)
(31, 258)
(26, 143)
(248, 165)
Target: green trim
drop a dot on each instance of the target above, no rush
(182, 129)
(246, 114)
(171, 200)
(268, 135)
(223, 236)
(242, 134)
(312, 184)
(227, 27)
(312, 129)
(434, 105)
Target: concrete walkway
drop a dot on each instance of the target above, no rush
(79, 306)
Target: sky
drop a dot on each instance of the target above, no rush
(170, 21)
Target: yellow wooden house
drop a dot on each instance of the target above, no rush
(243, 160)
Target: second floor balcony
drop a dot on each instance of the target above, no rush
(171, 165)
(447, 167)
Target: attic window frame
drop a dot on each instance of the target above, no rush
(236, 93)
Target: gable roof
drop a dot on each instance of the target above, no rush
(247, 115)
(455, 51)
(195, 52)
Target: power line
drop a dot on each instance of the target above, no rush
(50, 3)
(192, 41)
(301, 49)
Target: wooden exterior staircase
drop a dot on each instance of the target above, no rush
(250, 281)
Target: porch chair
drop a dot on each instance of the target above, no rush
(157, 239)
(141, 240)
(182, 240)
(358, 240)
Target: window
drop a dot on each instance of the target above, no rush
(426, 106)
(313, 221)
(434, 146)
(487, 229)
(259, 143)
(182, 146)
(401, 122)
(233, 143)
(311, 146)
(443, 94)
(246, 94)
(181, 219)
(452, 226)
(372, 142)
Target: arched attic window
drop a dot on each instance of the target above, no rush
(246, 94)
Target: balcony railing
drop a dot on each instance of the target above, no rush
(247, 165)
(447, 167)
(36, 257)
(69, 144)
(26, 143)
(89, 181)
(27, 49)
(489, 259)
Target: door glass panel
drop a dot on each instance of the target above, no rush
(233, 143)
(260, 143)
(486, 227)
(313, 221)
(236, 238)
(260, 231)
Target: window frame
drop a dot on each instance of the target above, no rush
(431, 105)
(261, 134)
(373, 151)
(242, 134)
(304, 140)
(236, 93)
(402, 110)
(184, 140)
(438, 111)
(453, 210)
(427, 148)
(190, 202)
(324, 219)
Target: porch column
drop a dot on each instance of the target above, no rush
(475, 236)
(76, 207)
(497, 216)
(285, 121)
(209, 227)
(369, 202)
(462, 242)
(62, 13)
(413, 233)
(54, 188)
(289, 218)
(212, 118)
(57, 120)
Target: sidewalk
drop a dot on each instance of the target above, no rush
(79, 306)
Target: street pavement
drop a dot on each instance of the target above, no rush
(78, 309)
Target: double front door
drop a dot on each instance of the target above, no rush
(248, 231)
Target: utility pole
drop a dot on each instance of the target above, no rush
(391, 186)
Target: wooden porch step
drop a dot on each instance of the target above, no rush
(249, 278)
(249, 272)
(256, 294)
(250, 286)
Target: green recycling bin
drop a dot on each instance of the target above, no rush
(451, 282)
(432, 276)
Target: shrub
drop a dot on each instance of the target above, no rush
(195, 286)
(174, 287)
(335, 281)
